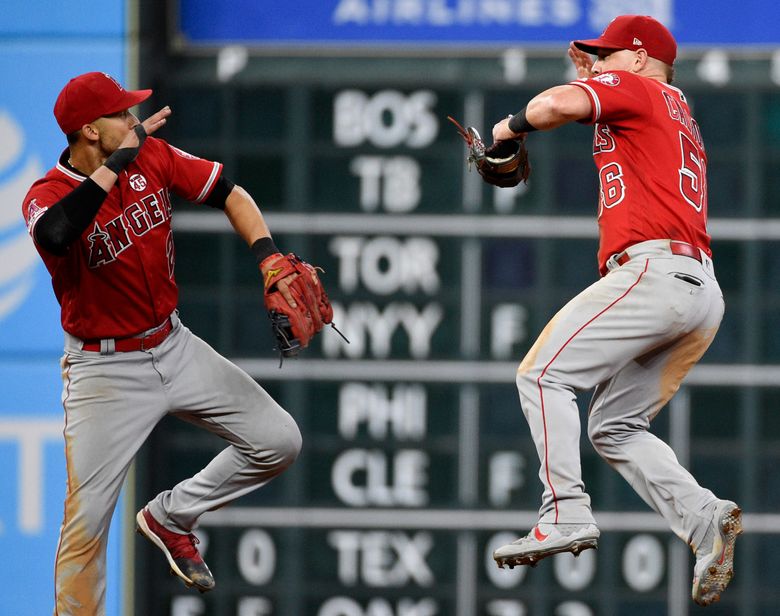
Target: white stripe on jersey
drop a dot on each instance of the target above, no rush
(209, 183)
(679, 92)
(595, 96)
(75, 176)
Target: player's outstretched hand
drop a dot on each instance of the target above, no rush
(150, 125)
(582, 62)
(157, 120)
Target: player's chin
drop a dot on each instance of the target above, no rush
(108, 147)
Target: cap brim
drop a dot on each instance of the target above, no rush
(131, 98)
(593, 45)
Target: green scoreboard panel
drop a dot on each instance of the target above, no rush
(417, 461)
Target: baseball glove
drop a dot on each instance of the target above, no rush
(505, 163)
(294, 327)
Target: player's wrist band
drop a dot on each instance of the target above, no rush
(263, 248)
(518, 123)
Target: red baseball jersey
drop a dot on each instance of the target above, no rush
(652, 167)
(117, 279)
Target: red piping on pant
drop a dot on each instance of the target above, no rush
(541, 376)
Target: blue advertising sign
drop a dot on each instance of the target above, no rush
(32, 473)
(55, 20)
(29, 145)
(466, 23)
(34, 68)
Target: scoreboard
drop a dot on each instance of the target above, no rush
(417, 462)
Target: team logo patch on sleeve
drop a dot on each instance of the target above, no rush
(34, 212)
(608, 79)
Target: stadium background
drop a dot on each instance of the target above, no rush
(416, 460)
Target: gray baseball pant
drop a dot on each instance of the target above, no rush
(112, 402)
(633, 336)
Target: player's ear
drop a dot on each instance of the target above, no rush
(640, 59)
(90, 132)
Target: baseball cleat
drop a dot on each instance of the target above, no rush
(183, 557)
(545, 540)
(714, 566)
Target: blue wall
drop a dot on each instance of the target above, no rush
(468, 22)
(42, 45)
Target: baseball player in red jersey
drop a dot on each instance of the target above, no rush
(635, 333)
(101, 221)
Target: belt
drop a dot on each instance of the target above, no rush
(676, 248)
(135, 343)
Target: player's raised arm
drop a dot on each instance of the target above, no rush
(91, 153)
(550, 109)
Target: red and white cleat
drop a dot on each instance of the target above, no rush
(714, 566)
(545, 540)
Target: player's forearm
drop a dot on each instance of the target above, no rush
(549, 109)
(245, 216)
(104, 177)
(558, 106)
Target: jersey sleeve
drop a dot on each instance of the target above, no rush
(616, 97)
(41, 196)
(190, 177)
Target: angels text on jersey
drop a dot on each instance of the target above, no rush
(108, 241)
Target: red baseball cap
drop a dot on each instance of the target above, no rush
(90, 96)
(635, 32)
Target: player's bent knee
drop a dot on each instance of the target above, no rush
(607, 440)
(280, 451)
(600, 433)
(292, 449)
(598, 438)
(527, 382)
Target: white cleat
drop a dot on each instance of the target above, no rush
(714, 566)
(545, 540)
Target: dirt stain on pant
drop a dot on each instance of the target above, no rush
(682, 357)
(79, 564)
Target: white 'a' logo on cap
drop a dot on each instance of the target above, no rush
(637, 41)
(119, 85)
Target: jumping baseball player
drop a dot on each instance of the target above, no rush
(634, 334)
(101, 221)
